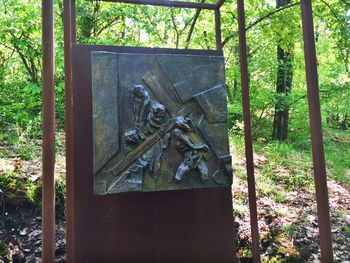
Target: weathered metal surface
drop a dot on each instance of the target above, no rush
(105, 108)
(248, 132)
(69, 38)
(155, 121)
(195, 225)
(316, 132)
(168, 3)
(48, 144)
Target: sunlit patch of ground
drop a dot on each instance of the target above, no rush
(287, 216)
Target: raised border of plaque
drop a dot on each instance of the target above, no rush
(159, 122)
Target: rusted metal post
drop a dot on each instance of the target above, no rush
(248, 131)
(73, 22)
(68, 35)
(48, 144)
(316, 132)
(168, 3)
(218, 30)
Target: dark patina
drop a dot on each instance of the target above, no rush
(159, 122)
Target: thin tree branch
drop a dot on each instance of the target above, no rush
(329, 91)
(5, 59)
(335, 13)
(175, 28)
(206, 39)
(345, 2)
(271, 14)
(228, 38)
(261, 117)
(155, 29)
(194, 21)
(27, 61)
(107, 25)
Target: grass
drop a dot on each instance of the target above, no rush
(3, 249)
(18, 149)
(283, 171)
(337, 152)
(290, 163)
(16, 142)
(347, 229)
(291, 230)
(281, 165)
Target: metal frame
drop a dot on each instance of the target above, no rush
(316, 132)
(49, 120)
(48, 126)
(69, 39)
(248, 132)
(168, 3)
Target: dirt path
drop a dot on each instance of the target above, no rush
(289, 228)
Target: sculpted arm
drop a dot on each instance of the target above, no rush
(184, 139)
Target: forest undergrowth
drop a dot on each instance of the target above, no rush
(279, 113)
(286, 200)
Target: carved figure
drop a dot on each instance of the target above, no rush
(141, 107)
(152, 158)
(150, 161)
(134, 174)
(142, 103)
(193, 154)
(133, 137)
(155, 116)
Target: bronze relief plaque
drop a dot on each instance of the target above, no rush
(159, 122)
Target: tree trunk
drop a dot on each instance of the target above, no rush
(344, 122)
(283, 87)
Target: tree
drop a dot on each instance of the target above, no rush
(285, 56)
(278, 89)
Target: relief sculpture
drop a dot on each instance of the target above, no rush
(192, 154)
(142, 104)
(171, 123)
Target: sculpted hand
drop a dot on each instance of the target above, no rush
(205, 148)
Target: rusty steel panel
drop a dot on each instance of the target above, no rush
(155, 122)
(193, 225)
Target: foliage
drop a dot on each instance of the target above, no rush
(19, 189)
(287, 166)
(3, 249)
(290, 163)
(13, 185)
(138, 25)
(347, 229)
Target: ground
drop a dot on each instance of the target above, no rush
(286, 207)
(289, 228)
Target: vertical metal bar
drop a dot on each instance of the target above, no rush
(316, 132)
(73, 21)
(219, 47)
(248, 132)
(68, 129)
(218, 29)
(48, 144)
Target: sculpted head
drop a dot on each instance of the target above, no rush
(158, 110)
(184, 124)
(132, 137)
(139, 90)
